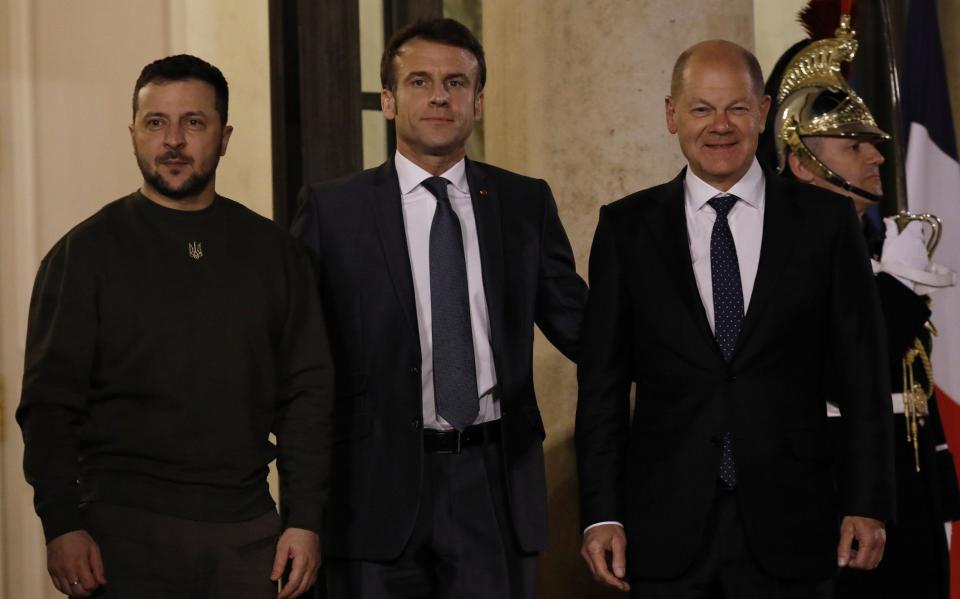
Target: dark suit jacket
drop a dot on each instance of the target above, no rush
(812, 332)
(355, 229)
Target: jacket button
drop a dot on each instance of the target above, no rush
(415, 423)
(415, 370)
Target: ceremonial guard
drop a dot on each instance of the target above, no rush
(824, 134)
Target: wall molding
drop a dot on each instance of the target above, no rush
(22, 551)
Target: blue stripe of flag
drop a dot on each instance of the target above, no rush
(926, 99)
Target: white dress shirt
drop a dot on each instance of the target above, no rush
(746, 225)
(419, 206)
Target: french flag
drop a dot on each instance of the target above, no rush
(933, 185)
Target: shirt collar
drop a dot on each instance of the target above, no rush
(749, 188)
(410, 175)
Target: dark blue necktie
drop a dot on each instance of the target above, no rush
(727, 309)
(454, 369)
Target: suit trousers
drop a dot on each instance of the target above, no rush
(155, 556)
(724, 567)
(462, 545)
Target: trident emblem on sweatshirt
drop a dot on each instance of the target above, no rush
(196, 251)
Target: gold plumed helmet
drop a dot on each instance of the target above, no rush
(814, 100)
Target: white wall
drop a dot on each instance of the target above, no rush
(775, 29)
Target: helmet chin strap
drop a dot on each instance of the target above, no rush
(847, 186)
(815, 165)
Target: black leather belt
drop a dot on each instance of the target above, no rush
(454, 441)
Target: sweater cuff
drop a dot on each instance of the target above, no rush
(301, 514)
(59, 519)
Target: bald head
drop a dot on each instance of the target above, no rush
(719, 52)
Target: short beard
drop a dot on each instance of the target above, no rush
(194, 184)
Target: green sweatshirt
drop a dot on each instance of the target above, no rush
(163, 348)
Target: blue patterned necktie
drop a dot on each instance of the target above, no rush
(727, 309)
(454, 369)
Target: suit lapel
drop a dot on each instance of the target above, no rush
(388, 213)
(781, 223)
(486, 212)
(668, 223)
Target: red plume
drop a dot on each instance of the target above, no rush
(820, 18)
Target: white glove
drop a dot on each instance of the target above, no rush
(906, 249)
